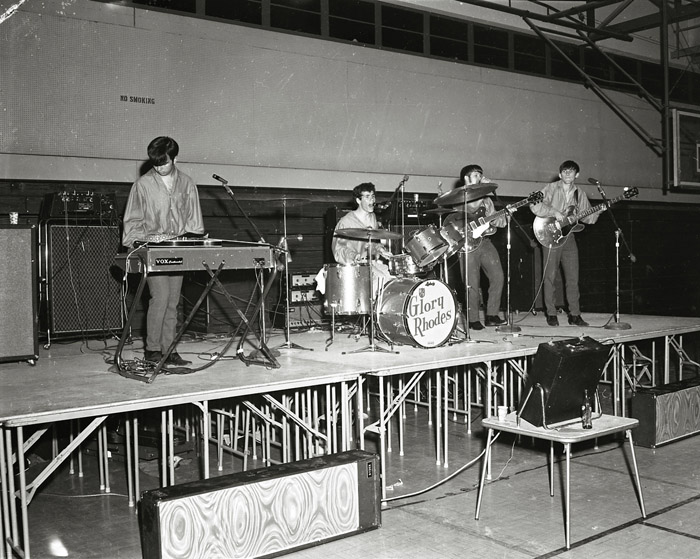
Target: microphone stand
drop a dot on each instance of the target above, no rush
(224, 183)
(262, 347)
(617, 325)
(508, 327)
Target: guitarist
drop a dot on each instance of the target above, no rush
(562, 198)
(485, 257)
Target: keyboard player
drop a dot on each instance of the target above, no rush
(163, 202)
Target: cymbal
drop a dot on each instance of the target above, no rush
(465, 194)
(367, 234)
(289, 202)
(441, 210)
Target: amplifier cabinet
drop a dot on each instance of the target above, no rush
(666, 413)
(19, 322)
(264, 512)
(82, 294)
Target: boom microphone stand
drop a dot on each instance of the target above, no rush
(617, 325)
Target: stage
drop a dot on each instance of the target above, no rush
(320, 390)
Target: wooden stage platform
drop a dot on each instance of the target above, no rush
(77, 381)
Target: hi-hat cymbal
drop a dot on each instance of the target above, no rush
(367, 234)
(440, 211)
(288, 202)
(465, 194)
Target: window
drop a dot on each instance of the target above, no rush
(491, 46)
(402, 29)
(449, 38)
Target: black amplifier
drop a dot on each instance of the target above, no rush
(85, 204)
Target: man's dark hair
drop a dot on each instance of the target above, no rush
(469, 169)
(361, 188)
(569, 164)
(160, 148)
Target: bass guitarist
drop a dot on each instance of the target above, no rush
(561, 199)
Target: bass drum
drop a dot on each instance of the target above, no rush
(347, 288)
(420, 313)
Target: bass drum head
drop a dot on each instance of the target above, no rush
(421, 313)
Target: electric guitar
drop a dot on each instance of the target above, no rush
(481, 226)
(553, 233)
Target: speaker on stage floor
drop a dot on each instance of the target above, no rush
(19, 336)
(560, 374)
(82, 294)
(263, 512)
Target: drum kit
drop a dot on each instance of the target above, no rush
(413, 308)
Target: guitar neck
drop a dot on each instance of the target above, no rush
(499, 213)
(593, 209)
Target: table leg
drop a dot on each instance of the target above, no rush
(636, 474)
(487, 456)
(551, 468)
(567, 495)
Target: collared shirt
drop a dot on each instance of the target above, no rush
(344, 249)
(557, 199)
(153, 209)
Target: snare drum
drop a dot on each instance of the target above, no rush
(347, 288)
(453, 235)
(403, 266)
(420, 313)
(426, 246)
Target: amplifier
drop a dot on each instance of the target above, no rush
(263, 512)
(666, 413)
(74, 204)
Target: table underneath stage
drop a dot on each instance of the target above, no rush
(566, 433)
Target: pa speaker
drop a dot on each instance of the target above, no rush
(19, 336)
(263, 512)
(561, 372)
(83, 296)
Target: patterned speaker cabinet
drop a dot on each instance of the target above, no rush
(264, 512)
(666, 413)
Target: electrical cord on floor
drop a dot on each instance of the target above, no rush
(448, 478)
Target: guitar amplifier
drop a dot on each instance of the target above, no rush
(666, 413)
(263, 512)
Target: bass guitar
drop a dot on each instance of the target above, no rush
(481, 226)
(553, 233)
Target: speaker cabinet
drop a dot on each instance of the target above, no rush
(82, 295)
(666, 413)
(264, 512)
(19, 336)
(561, 371)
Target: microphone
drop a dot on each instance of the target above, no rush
(593, 181)
(383, 206)
(218, 178)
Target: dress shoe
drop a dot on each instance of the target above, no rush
(576, 320)
(476, 325)
(493, 320)
(152, 356)
(552, 320)
(175, 359)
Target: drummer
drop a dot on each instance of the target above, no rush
(485, 257)
(356, 251)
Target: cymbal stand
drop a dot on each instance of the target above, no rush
(508, 327)
(288, 344)
(372, 345)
